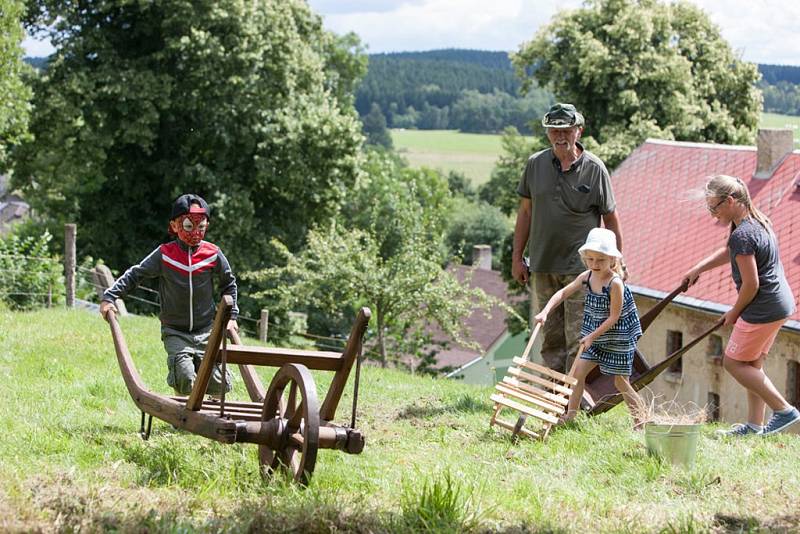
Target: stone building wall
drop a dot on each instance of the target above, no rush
(701, 372)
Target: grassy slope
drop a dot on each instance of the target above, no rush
(72, 459)
(474, 155)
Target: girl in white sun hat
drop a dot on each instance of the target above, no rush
(611, 324)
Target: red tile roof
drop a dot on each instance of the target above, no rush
(665, 224)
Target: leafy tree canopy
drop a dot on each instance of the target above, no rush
(385, 252)
(501, 189)
(643, 68)
(14, 93)
(374, 128)
(245, 103)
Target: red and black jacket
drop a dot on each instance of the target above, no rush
(185, 283)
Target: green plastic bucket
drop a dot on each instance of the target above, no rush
(674, 443)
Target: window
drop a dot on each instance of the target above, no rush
(714, 349)
(714, 346)
(793, 383)
(712, 407)
(675, 342)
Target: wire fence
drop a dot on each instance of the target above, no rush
(28, 281)
(248, 326)
(39, 281)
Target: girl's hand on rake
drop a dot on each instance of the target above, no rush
(541, 317)
(729, 318)
(691, 276)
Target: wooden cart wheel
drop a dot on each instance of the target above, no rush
(298, 411)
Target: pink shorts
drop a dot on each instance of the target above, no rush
(750, 340)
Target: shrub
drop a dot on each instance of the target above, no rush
(477, 224)
(29, 276)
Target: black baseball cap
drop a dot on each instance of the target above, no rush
(186, 204)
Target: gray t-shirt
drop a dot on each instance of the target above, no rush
(774, 299)
(565, 205)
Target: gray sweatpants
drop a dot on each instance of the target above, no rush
(184, 354)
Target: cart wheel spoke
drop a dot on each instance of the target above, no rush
(295, 449)
(291, 403)
(296, 419)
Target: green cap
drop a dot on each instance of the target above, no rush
(562, 116)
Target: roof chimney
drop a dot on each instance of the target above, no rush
(482, 257)
(774, 144)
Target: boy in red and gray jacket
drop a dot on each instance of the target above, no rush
(186, 268)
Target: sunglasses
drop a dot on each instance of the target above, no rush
(713, 209)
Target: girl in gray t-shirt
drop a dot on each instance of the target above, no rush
(763, 304)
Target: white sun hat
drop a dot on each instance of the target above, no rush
(603, 241)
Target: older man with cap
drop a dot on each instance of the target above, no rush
(565, 191)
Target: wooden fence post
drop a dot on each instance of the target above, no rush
(263, 325)
(69, 263)
(103, 279)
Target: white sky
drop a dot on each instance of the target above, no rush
(763, 31)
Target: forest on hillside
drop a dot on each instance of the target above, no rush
(469, 90)
(478, 91)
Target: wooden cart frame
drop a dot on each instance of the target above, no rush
(285, 420)
(541, 393)
(600, 394)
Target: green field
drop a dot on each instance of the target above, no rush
(72, 460)
(474, 155)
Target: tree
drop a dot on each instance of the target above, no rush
(385, 252)
(501, 189)
(14, 92)
(375, 128)
(473, 224)
(244, 103)
(642, 68)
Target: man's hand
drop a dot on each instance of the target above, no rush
(233, 326)
(105, 307)
(519, 271)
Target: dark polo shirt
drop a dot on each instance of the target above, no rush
(565, 205)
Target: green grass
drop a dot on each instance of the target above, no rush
(474, 155)
(72, 459)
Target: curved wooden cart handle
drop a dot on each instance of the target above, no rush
(657, 369)
(650, 316)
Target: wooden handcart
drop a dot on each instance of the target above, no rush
(285, 421)
(600, 394)
(533, 390)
